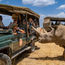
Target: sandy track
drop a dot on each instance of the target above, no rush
(45, 54)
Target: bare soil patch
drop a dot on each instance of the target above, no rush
(45, 54)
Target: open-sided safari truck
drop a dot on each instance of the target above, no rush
(9, 43)
(52, 22)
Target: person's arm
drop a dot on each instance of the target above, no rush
(22, 31)
(14, 33)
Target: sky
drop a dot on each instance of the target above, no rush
(53, 8)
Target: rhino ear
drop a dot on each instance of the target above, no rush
(58, 33)
(63, 37)
(60, 30)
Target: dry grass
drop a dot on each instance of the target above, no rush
(45, 54)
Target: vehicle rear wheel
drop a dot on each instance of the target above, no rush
(5, 59)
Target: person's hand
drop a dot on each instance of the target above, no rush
(14, 33)
(22, 31)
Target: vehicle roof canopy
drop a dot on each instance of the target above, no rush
(55, 19)
(9, 10)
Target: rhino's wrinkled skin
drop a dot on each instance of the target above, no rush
(57, 36)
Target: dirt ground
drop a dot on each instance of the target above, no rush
(45, 54)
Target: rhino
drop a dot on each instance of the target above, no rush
(57, 36)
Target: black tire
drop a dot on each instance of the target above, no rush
(5, 59)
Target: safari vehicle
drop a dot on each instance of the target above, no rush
(9, 43)
(52, 22)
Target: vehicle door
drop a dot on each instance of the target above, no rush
(16, 45)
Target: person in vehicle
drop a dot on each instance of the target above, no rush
(24, 25)
(10, 24)
(31, 23)
(15, 32)
(1, 23)
(16, 29)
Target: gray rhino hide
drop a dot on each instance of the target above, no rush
(57, 36)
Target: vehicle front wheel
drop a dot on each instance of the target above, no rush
(5, 59)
